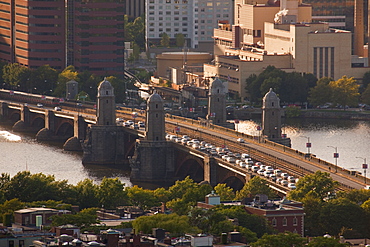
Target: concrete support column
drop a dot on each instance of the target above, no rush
(4, 110)
(50, 121)
(79, 128)
(210, 170)
(25, 114)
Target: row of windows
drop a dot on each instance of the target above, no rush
(4, 3)
(87, 43)
(87, 10)
(40, 58)
(169, 13)
(117, 52)
(87, 60)
(38, 33)
(110, 17)
(39, 41)
(285, 222)
(39, 50)
(168, 24)
(167, 30)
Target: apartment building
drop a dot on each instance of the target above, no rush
(195, 19)
(85, 33)
(32, 33)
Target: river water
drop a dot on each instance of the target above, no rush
(20, 152)
(351, 138)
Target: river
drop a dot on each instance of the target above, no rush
(20, 152)
(350, 138)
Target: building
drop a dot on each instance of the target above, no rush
(32, 33)
(30, 216)
(134, 8)
(195, 19)
(283, 215)
(86, 33)
(95, 40)
(282, 36)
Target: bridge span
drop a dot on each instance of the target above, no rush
(73, 122)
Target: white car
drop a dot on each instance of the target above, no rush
(244, 156)
(284, 182)
(40, 105)
(291, 186)
(277, 172)
(255, 168)
(260, 172)
(237, 155)
(243, 164)
(240, 140)
(230, 159)
(267, 173)
(284, 175)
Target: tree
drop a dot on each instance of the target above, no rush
(365, 96)
(142, 198)
(339, 214)
(14, 75)
(87, 194)
(321, 93)
(65, 76)
(255, 186)
(319, 185)
(312, 209)
(345, 91)
(286, 239)
(180, 39)
(81, 219)
(165, 41)
(226, 193)
(325, 242)
(177, 225)
(111, 193)
(44, 79)
(366, 80)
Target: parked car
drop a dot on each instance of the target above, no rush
(242, 164)
(284, 175)
(230, 159)
(277, 172)
(244, 156)
(255, 168)
(40, 105)
(284, 182)
(58, 108)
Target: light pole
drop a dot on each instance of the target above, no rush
(364, 166)
(308, 144)
(336, 156)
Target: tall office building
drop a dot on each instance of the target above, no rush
(85, 33)
(97, 30)
(135, 8)
(32, 33)
(195, 19)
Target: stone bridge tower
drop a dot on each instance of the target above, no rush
(271, 119)
(104, 143)
(217, 102)
(153, 160)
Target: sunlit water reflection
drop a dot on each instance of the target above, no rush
(22, 152)
(351, 138)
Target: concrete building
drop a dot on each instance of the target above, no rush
(86, 34)
(195, 19)
(134, 8)
(283, 36)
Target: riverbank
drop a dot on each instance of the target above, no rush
(350, 114)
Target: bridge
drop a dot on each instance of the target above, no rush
(71, 125)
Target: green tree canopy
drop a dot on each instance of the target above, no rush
(318, 185)
(142, 198)
(287, 239)
(255, 186)
(180, 39)
(345, 91)
(325, 242)
(321, 93)
(226, 193)
(165, 41)
(111, 193)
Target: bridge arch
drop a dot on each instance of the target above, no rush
(232, 179)
(14, 116)
(38, 122)
(65, 128)
(190, 166)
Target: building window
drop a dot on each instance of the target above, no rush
(273, 222)
(285, 222)
(295, 221)
(11, 243)
(156, 105)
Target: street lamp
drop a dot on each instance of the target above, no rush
(308, 144)
(336, 156)
(364, 166)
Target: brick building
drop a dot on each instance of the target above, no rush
(27, 216)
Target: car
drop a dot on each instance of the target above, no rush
(278, 180)
(273, 177)
(230, 154)
(267, 173)
(224, 157)
(284, 175)
(40, 105)
(178, 140)
(255, 168)
(230, 159)
(237, 155)
(243, 164)
(240, 140)
(195, 146)
(260, 172)
(126, 124)
(213, 153)
(58, 108)
(249, 166)
(277, 172)
(291, 179)
(258, 163)
(130, 122)
(238, 161)
(244, 156)
(141, 124)
(134, 126)
(284, 182)
(269, 168)
(291, 186)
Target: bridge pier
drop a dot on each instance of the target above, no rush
(79, 129)
(24, 124)
(210, 170)
(4, 111)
